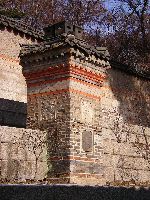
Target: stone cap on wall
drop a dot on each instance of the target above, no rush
(132, 70)
(21, 27)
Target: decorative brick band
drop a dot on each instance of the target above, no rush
(8, 58)
(65, 90)
(68, 78)
(73, 158)
(59, 68)
(52, 72)
(60, 80)
(85, 94)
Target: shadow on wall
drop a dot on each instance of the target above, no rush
(64, 192)
(13, 113)
(133, 95)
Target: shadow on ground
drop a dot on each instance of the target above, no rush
(66, 192)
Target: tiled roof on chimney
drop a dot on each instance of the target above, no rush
(65, 34)
(21, 27)
(63, 40)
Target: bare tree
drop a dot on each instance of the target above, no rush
(139, 8)
(128, 39)
(33, 144)
(124, 29)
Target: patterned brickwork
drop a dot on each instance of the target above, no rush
(64, 100)
(64, 78)
(85, 123)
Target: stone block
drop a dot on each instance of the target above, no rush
(109, 174)
(29, 168)
(125, 149)
(86, 167)
(92, 181)
(42, 170)
(108, 134)
(3, 164)
(144, 176)
(147, 131)
(108, 147)
(3, 151)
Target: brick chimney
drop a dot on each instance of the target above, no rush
(54, 31)
(64, 78)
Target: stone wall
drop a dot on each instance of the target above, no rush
(23, 155)
(125, 122)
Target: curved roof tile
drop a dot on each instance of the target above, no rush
(20, 26)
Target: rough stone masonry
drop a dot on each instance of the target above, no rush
(96, 116)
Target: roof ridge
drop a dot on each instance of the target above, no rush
(133, 70)
(66, 39)
(21, 26)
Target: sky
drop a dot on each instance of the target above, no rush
(110, 4)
